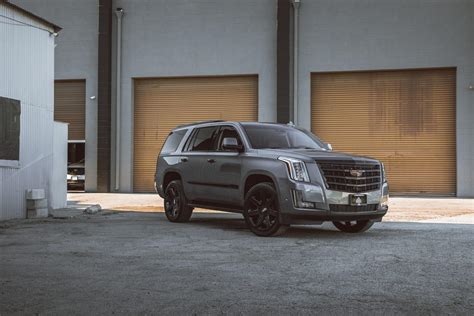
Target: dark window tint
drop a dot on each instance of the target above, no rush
(10, 111)
(281, 136)
(228, 132)
(204, 139)
(172, 142)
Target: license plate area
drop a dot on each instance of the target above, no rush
(357, 199)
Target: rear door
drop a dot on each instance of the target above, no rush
(196, 158)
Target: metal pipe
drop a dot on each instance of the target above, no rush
(296, 6)
(118, 100)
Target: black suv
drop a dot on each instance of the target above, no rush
(274, 174)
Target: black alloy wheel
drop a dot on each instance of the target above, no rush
(353, 226)
(176, 209)
(261, 211)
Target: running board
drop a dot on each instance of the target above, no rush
(215, 207)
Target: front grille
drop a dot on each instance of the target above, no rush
(353, 177)
(351, 208)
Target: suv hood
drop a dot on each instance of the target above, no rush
(319, 155)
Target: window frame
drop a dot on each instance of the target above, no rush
(14, 163)
(190, 141)
(219, 139)
(177, 146)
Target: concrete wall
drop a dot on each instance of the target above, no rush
(195, 38)
(58, 178)
(344, 35)
(76, 58)
(27, 74)
(220, 37)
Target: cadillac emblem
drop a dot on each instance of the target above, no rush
(357, 173)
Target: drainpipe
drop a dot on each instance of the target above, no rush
(119, 14)
(296, 6)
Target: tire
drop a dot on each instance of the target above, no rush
(353, 226)
(175, 204)
(261, 211)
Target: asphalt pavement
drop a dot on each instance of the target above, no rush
(139, 263)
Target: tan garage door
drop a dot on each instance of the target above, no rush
(405, 118)
(163, 103)
(69, 106)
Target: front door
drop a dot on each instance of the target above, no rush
(225, 168)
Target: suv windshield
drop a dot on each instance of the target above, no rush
(281, 137)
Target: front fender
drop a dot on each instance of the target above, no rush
(272, 168)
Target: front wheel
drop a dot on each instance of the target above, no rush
(176, 208)
(261, 211)
(353, 226)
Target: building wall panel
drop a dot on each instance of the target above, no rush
(386, 34)
(76, 58)
(27, 74)
(184, 38)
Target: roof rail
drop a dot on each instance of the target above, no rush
(197, 123)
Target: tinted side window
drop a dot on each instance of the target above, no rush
(205, 139)
(172, 142)
(228, 132)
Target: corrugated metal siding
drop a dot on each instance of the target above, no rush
(162, 104)
(27, 74)
(405, 118)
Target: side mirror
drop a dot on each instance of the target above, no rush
(329, 146)
(231, 143)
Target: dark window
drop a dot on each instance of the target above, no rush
(281, 136)
(205, 139)
(172, 142)
(76, 153)
(10, 111)
(228, 132)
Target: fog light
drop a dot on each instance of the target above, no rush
(384, 201)
(298, 200)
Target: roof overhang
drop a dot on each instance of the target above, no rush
(33, 16)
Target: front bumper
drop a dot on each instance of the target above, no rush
(75, 184)
(308, 202)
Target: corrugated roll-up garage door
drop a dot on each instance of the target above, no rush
(163, 103)
(70, 106)
(404, 118)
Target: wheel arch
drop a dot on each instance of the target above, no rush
(169, 176)
(257, 176)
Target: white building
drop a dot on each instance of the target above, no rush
(26, 110)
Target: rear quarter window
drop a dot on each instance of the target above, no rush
(172, 142)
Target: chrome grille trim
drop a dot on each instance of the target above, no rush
(338, 177)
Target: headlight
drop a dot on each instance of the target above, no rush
(296, 169)
(383, 172)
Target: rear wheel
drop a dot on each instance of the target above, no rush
(175, 204)
(353, 226)
(261, 211)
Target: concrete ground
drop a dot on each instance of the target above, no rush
(139, 263)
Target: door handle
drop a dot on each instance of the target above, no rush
(184, 159)
(210, 160)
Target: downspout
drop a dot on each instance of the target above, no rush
(296, 6)
(118, 100)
